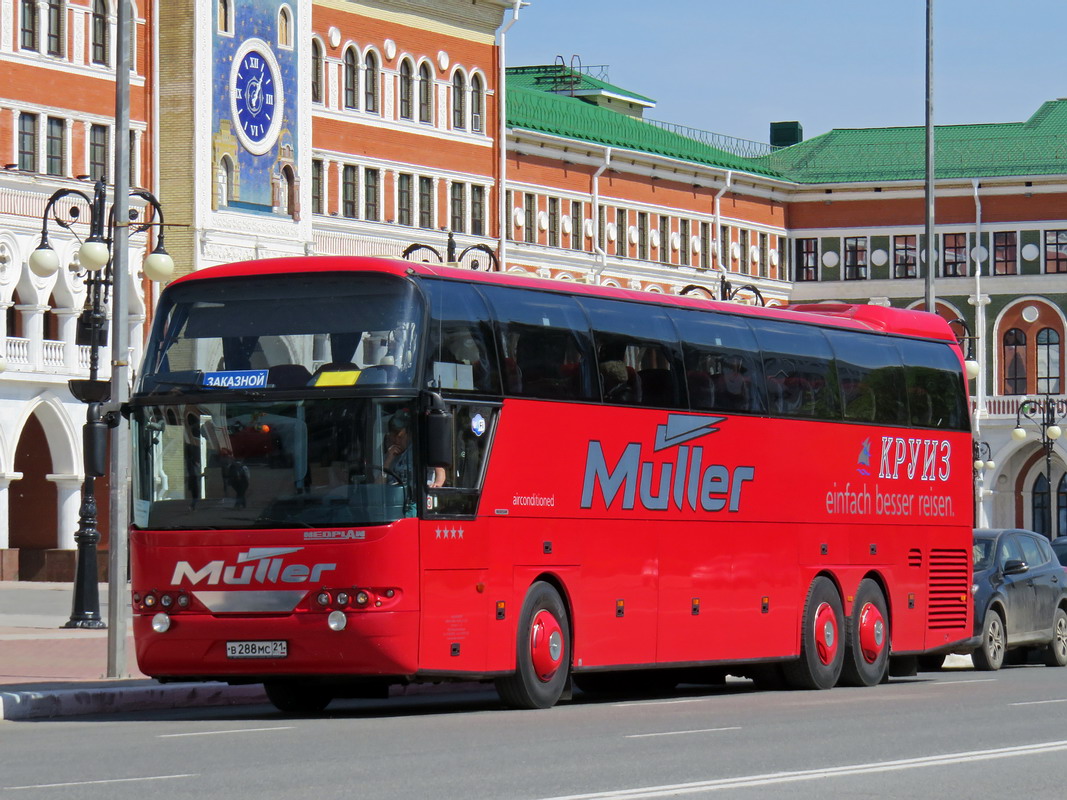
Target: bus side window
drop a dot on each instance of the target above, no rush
(871, 378)
(800, 370)
(544, 344)
(937, 394)
(637, 354)
(460, 354)
(722, 367)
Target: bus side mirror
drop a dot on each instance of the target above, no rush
(438, 433)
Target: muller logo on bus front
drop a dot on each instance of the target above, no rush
(263, 565)
(673, 475)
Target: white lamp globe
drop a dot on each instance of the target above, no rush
(158, 266)
(1018, 434)
(972, 369)
(93, 255)
(44, 262)
(1054, 431)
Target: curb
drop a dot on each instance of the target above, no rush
(51, 703)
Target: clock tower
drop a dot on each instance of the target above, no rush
(233, 129)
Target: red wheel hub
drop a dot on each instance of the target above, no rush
(826, 633)
(872, 632)
(546, 645)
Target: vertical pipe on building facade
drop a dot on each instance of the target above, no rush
(598, 246)
(718, 228)
(931, 250)
(979, 306)
(503, 216)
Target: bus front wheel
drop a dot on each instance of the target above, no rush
(542, 658)
(867, 638)
(822, 651)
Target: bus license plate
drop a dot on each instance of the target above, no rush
(266, 649)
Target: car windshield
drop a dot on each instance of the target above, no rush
(283, 464)
(985, 552)
(323, 329)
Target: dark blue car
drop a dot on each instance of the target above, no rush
(1020, 598)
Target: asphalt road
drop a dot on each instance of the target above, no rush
(946, 734)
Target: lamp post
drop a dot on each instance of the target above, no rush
(94, 257)
(450, 256)
(983, 460)
(1046, 415)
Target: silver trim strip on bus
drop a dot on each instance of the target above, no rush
(273, 601)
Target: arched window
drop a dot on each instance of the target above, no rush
(1014, 362)
(225, 181)
(285, 28)
(1041, 518)
(351, 71)
(100, 46)
(407, 89)
(425, 94)
(370, 88)
(287, 201)
(459, 101)
(223, 8)
(1048, 361)
(51, 321)
(316, 71)
(477, 104)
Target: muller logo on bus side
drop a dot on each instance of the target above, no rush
(660, 482)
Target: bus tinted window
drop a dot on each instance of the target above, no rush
(936, 392)
(722, 364)
(636, 354)
(360, 328)
(544, 344)
(460, 353)
(799, 369)
(871, 378)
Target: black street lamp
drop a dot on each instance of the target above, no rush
(94, 257)
(450, 256)
(727, 291)
(1046, 414)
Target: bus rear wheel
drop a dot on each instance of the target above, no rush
(542, 659)
(867, 638)
(822, 653)
(291, 697)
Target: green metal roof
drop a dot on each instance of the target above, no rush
(1035, 147)
(561, 79)
(573, 118)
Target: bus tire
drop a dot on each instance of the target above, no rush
(543, 652)
(1056, 652)
(292, 697)
(866, 638)
(989, 656)
(822, 651)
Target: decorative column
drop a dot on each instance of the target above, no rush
(68, 491)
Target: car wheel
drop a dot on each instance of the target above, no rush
(866, 638)
(542, 653)
(990, 653)
(1056, 654)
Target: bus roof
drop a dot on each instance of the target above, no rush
(880, 319)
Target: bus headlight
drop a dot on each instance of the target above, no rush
(337, 620)
(161, 622)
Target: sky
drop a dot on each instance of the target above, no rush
(734, 67)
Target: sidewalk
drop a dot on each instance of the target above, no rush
(50, 671)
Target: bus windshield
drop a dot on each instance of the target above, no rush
(285, 332)
(286, 464)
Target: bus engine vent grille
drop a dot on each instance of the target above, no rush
(949, 589)
(915, 557)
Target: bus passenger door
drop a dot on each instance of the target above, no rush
(454, 552)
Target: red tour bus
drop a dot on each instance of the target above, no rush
(352, 473)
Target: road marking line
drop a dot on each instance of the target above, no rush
(217, 733)
(679, 733)
(965, 680)
(1039, 702)
(662, 702)
(92, 783)
(771, 778)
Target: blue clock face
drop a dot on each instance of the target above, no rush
(256, 97)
